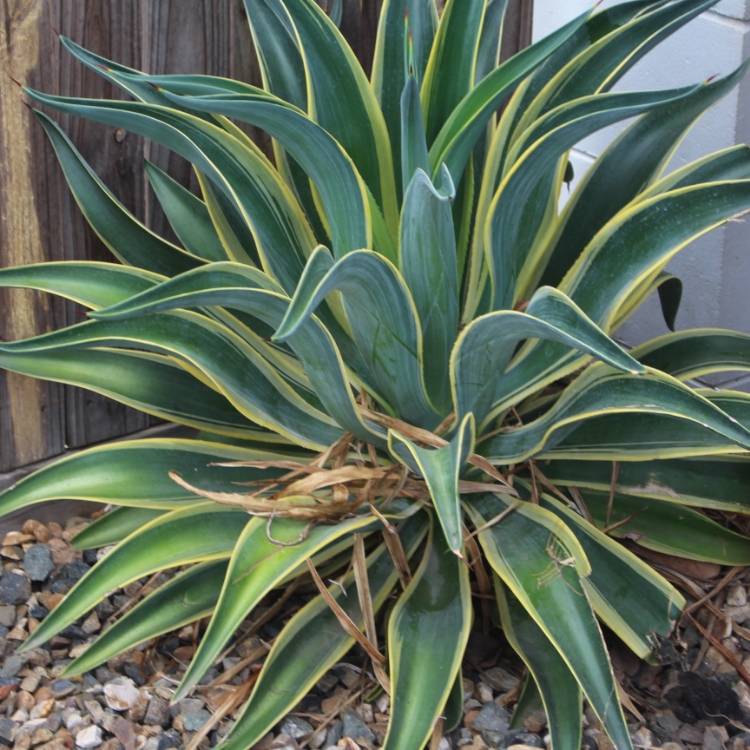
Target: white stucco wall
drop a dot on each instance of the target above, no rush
(715, 270)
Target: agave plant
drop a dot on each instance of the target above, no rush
(393, 349)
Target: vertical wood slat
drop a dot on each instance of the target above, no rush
(38, 217)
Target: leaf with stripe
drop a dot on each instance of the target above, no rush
(135, 473)
(313, 641)
(600, 391)
(427, 633)
(487, 344)
(667, 528)
(187, 215)
(259, 563)
(188, 597)
(441, 469)
(532, 552)
(201, 532)
(384, 323)
(282, 234)
(427, 260)
(560, 693)
(113, 527)
(718, 483)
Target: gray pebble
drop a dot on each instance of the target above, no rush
(11, 665)
(157, 712)
(38, 562)
(492, 722)
(8, 730)
(62, 688)
(296, 727)
(14, 588)
(356, 729)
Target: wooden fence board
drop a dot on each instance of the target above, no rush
(38, 217)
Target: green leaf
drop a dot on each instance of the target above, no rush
(342, 101)
(187, 215)
(384, 323)
(467, 122)
(427, 260)
(488, 54)
(129, 240)
(716, 483)
(525, 193)
(414, 153)
(598, 391)
(406, 29)
(89, 283)
(201, 532)
(558, 689)
(697, 352)
(441, 469)
(427, 633)
(342, 193)
(271, 213)
(451, 67)
(113, 527)
(539, 567)
(259, 563)
(487, 344)
(188, 597)
(627, 165)
(236, 287)
(668, 528)
(637, 603)
(313, 641)
(135, 473)
(243, 377)
(149, 383)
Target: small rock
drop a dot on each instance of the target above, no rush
(193, 714)
(121, 694)
(7, 615)
(157, 712)
(643, 738)
(715, 738)
(500, 679)
(89, 737)
(335, 732)
(354, 728)
(11, 666)
(169, 739)
(295, 727)
(62, 688)
(492, 722)
(42, 709)
(38, 562)
(14, 588)
(91, 624)
(737, 596)
(524, 739)
(8, 730)
(124, 731)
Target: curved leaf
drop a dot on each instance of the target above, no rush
(259, 563)
(127, 239)
(384, 325)
(537, 567)
(113, 527)
(427, 260)
(427, 633)
(441, 468)
(487, 344)
(559, 691)
(188, 597)
(135, 473)
(312, 642)
(201, 532)
(187, 215)
(668, 528)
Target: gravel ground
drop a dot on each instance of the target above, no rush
(695, 698)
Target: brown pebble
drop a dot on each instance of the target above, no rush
(25, 700)
(42, 709)
(37, 529)
(13, 538)
(11, 553)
